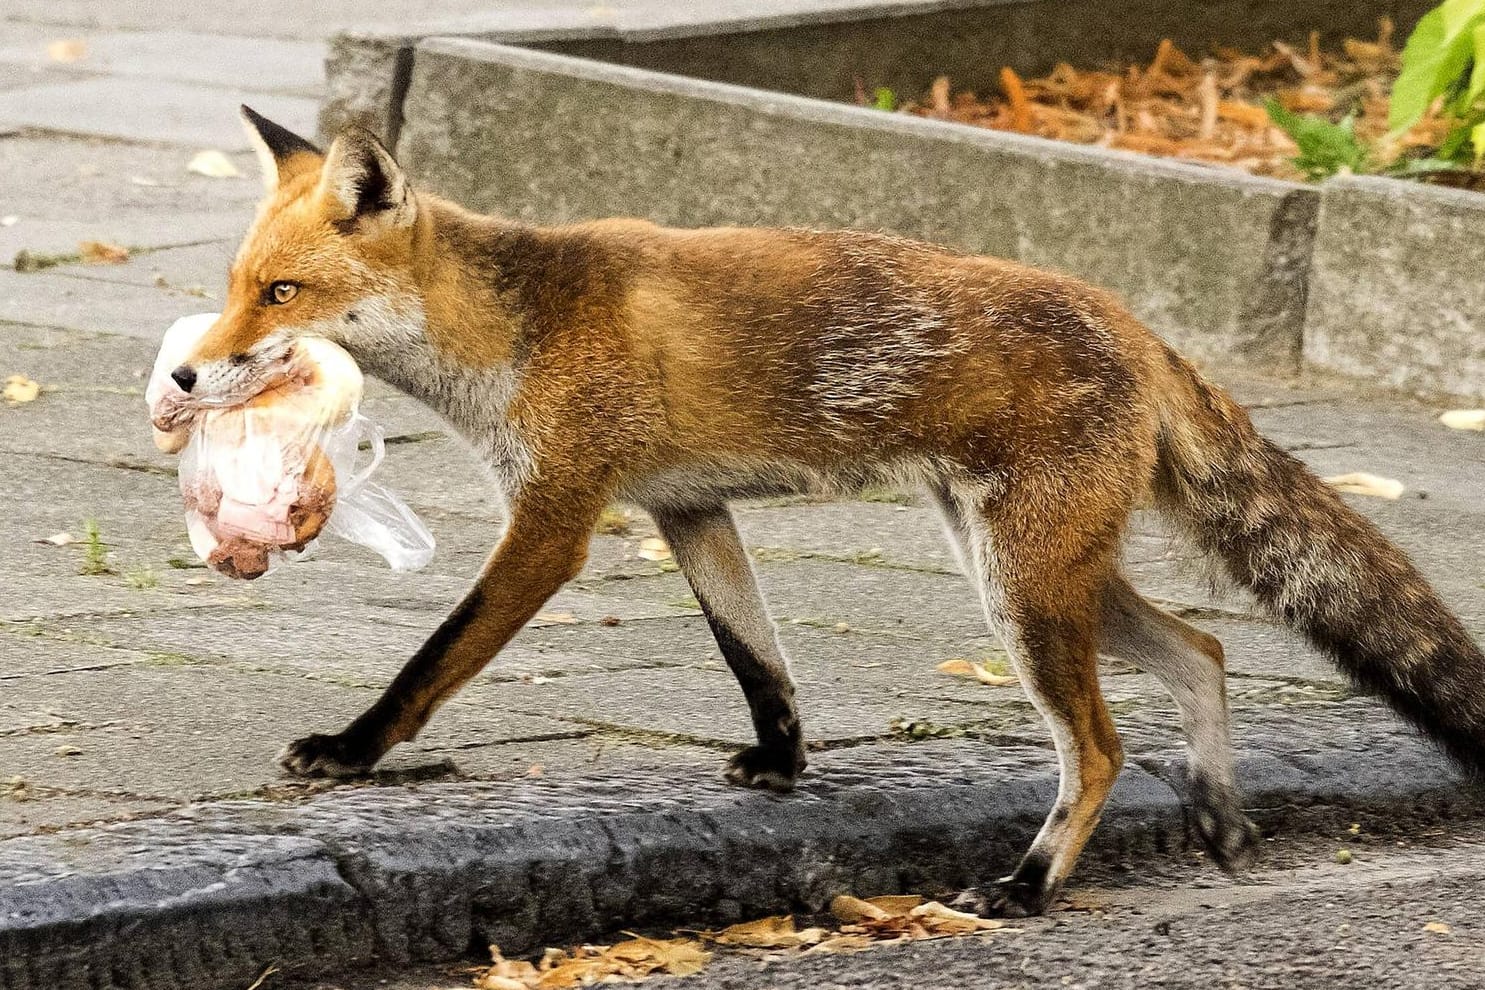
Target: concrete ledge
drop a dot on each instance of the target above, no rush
(1397, 294)
(211, 897)
(1206, 257)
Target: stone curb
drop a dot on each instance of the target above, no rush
(213, 896)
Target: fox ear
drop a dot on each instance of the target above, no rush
(363, 186)
(281, 152)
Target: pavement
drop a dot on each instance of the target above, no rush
(146, 835)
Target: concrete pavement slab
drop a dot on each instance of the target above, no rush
(151, 111)
(271, 65)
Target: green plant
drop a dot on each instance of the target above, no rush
(884, 99)
(95, 553)
(142, 578)
(1444, 59)
(1325, 148)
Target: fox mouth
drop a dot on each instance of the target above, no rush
(234, 381)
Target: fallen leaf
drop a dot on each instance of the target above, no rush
(102, 253)
(778, 932)
(69, 750)
(59, 539)
(20, 389)
(853, 910)
(610, 621)
(842, 943)
(1464, 419)
(943, 920)
(67, 50)
(556, 618)
(212, 164)
(960, 667)
(1361, 483)
(897, 903)
(1438, 928)
(654, 548)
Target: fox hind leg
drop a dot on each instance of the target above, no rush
(1189, 663)
(711, 556)
(1042, 595)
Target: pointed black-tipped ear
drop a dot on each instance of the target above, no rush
(363, 186)
(281, 152)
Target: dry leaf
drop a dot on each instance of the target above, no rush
(67, 50)
(212, 164)
(842, 943)
(778, 932)
(943, 920)
(1361, 483)
(555, 618)
(59, 539)
(1464, 419)
(853, 910)
(102, 253)
(20, 389)
(960, 667)
(897, 903)
(1438, 928)
(654, 548)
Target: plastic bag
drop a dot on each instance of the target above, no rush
(263, 479)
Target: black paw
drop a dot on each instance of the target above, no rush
(1006, 898)
(1230, 836)
(1217, 815)
(769, 769)
(326, 756)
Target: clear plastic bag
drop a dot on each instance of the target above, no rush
(262, 480)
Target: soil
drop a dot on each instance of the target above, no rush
(1209, 110)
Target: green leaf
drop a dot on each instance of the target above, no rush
(1477, 139)
(1436, 55)
(884, 99)
(1477, 75)
(1459, 15)
(1324, 148)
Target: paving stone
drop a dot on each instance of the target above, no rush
(181, 731)
(49, 299)
(210, 58)
(151, 111)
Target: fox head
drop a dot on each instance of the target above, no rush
(330, 254)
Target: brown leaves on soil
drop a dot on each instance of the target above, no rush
(1208, 109)
(863, 923)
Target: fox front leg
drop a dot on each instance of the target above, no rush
(544, 547)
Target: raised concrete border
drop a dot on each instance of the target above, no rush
(1205, 257)
(1218, 263)
(1396, 288)
(211, 898)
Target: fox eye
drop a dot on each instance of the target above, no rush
(279, 293)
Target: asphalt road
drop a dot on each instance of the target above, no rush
(1405, 912)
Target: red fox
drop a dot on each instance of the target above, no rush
(681, 369)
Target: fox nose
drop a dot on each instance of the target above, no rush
(185, 377)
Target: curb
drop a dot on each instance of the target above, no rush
(214, 895)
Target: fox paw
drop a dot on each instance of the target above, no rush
(1007, 898)
(765, 768)
(1231, 838)
(325, 756)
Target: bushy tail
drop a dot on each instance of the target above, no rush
(1320, 566)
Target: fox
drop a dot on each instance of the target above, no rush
(681, 370)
